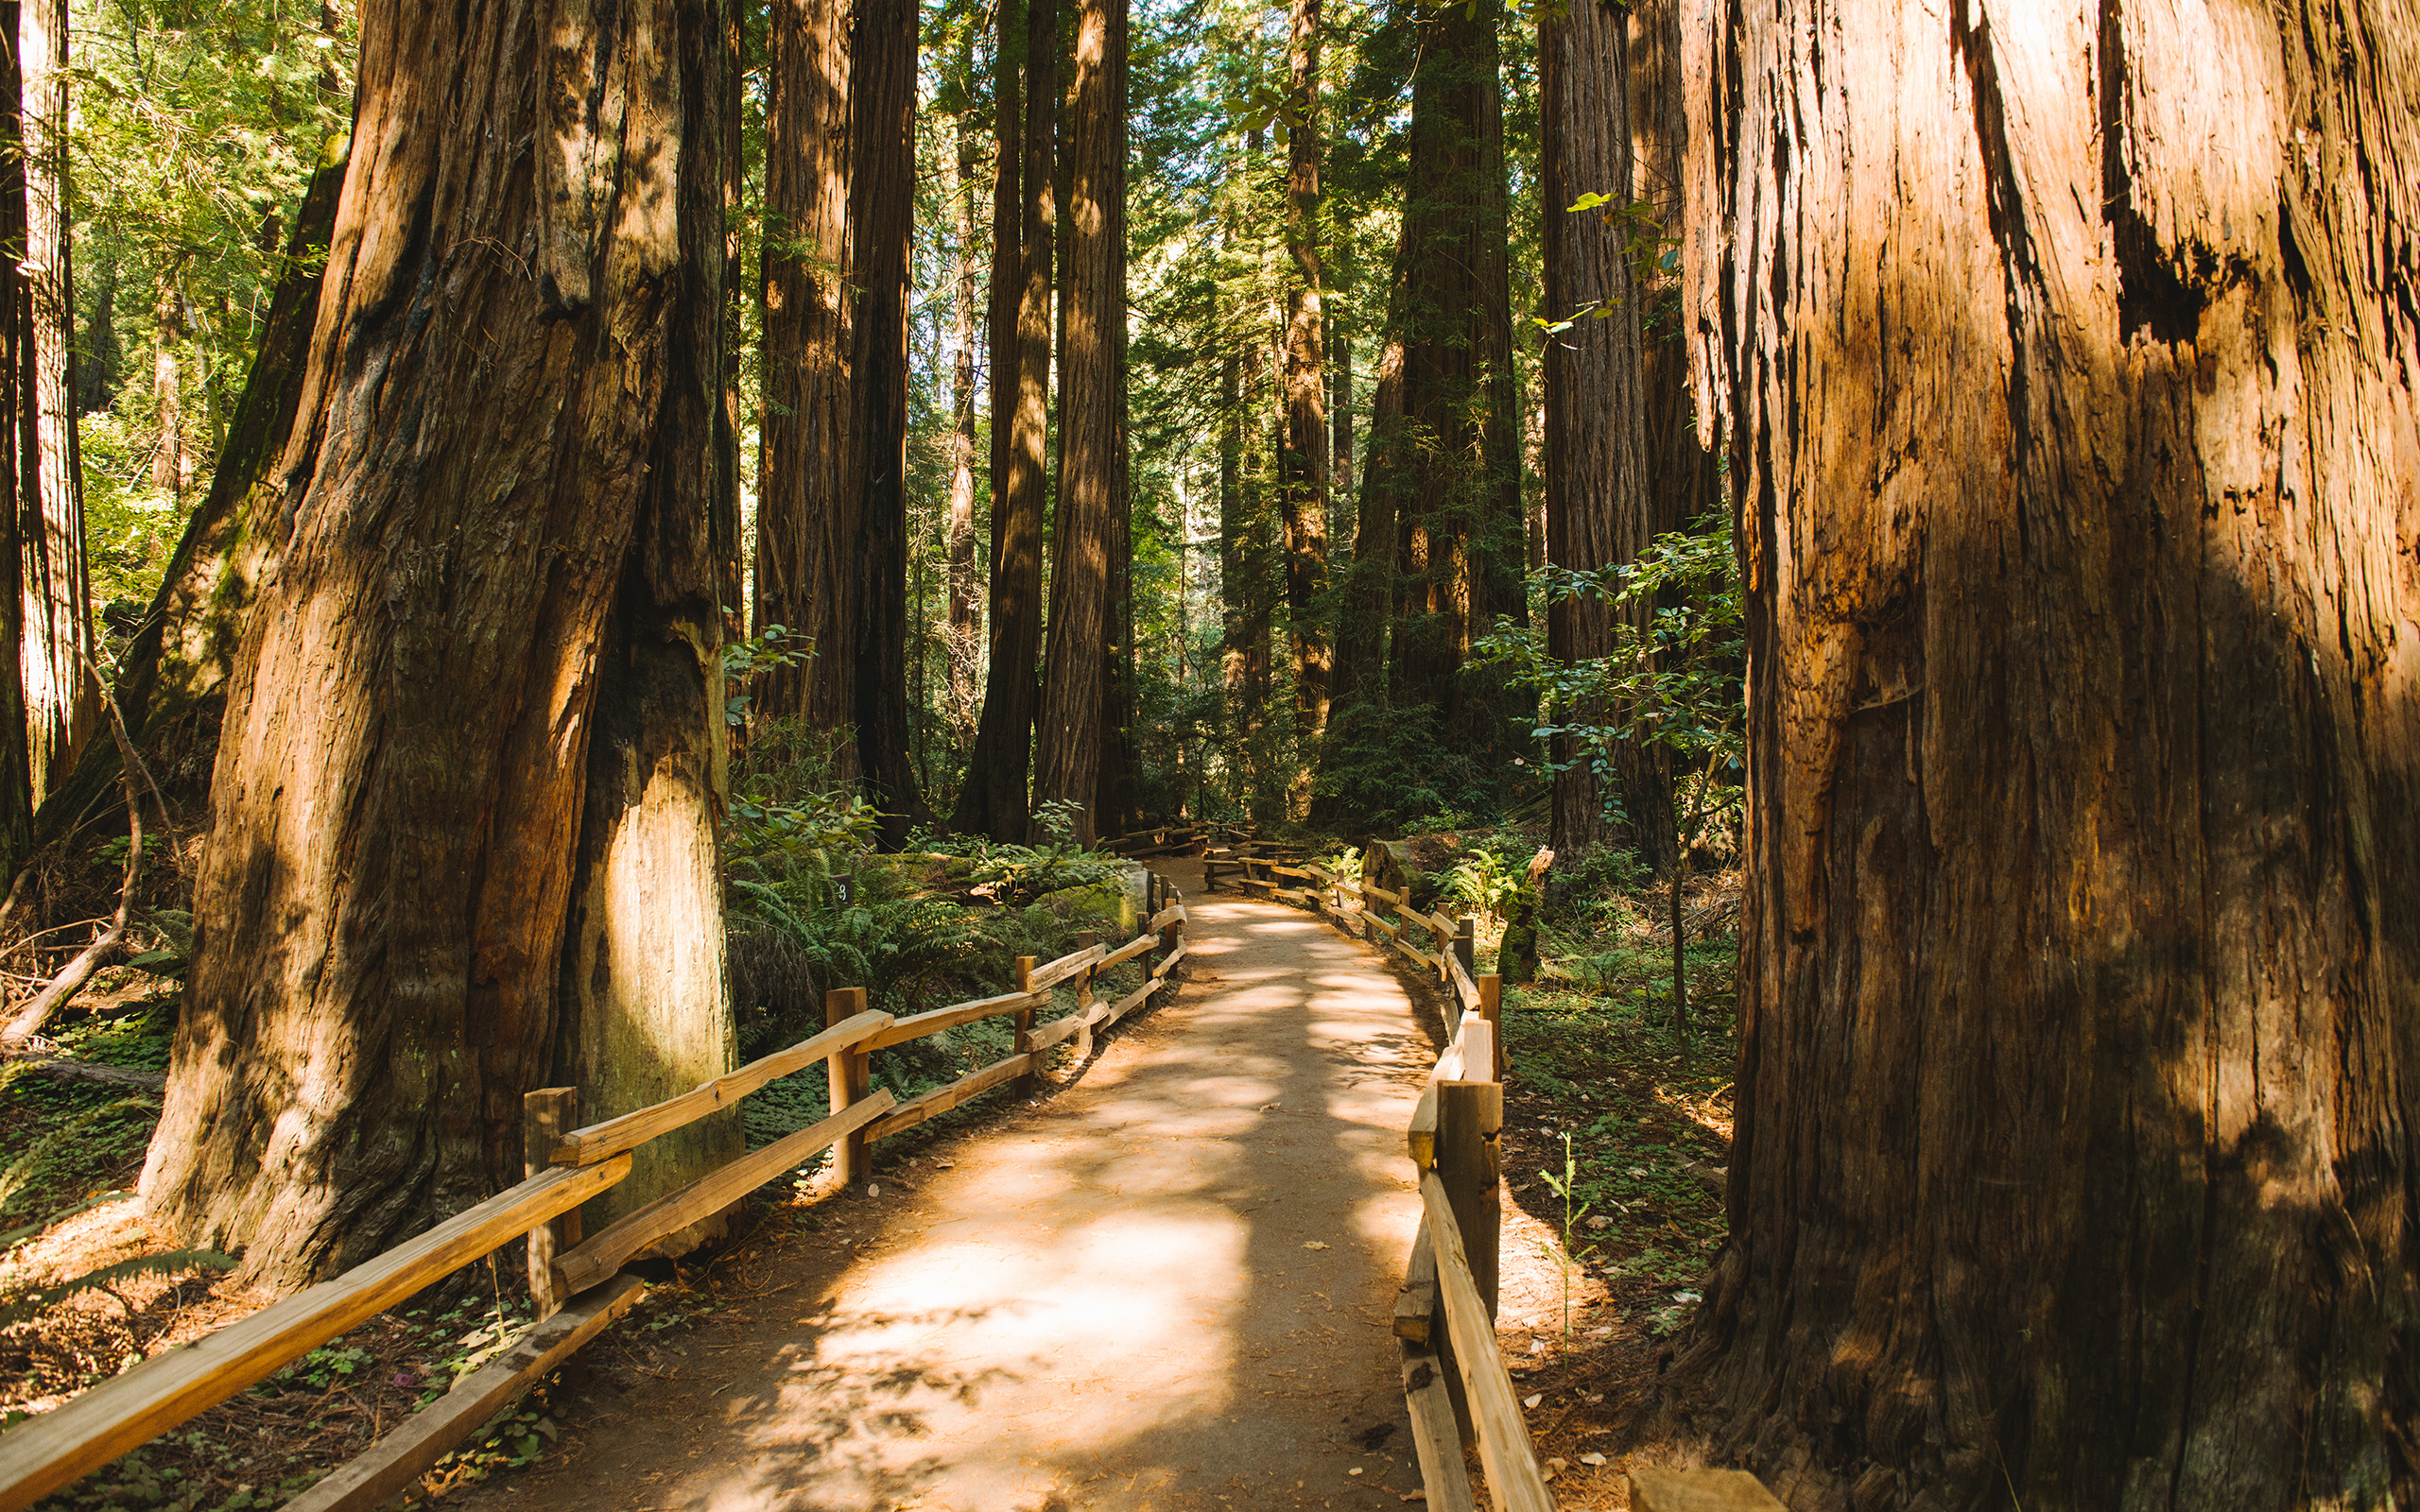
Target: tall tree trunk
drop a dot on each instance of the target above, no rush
(882, 198)
(1303, 466)
(1362, 626)
(1339, 411)
(97, 357)
(462, 835)
(1684, 481)
(730, 562)
(62, 698)
(1092, 424)
(1234, 592)
(1459, 488)
(808, 505)
(1114, 803)
(1596, 474)
(2080, 997)
(16, 430)
(994, 799)
(172, 677)
(964, 647)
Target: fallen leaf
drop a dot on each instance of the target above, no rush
(1534, 1398)
(1592, 1457)
(1413, 1496)
(1355, 1470)
(1556, 1466)
(874, 1190)
(1315, 1244)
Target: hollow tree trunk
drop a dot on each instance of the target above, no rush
(62, 700)
(463, 834)
(994, 799)
(2068, 353)
(1597, 486)
(1092, 422)
(881, 198)
(1303, 463)
(172, 677)
(808, 505)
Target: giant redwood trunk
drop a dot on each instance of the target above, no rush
(16, 780)
(62, 700)
(808, 504)
(1085, 619)
(1595, 467)
(881, 195)
(2069, 356)
(993, 801)
(1455, 473)
(462, 822)
(964, 644)
(1302, 461)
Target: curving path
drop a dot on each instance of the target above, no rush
(1116, 1300)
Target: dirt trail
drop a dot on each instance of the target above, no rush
(1118, 1299)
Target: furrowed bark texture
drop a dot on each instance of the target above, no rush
(173, 676)
(62, 699)
(882, 197)
(808, 506)
(1092, 424)
(2069, 355)
(993, 801)
(1596, 474)
(462, 803)
(965, 643)
(1303, 463)
(16, 782)
(1455, 473)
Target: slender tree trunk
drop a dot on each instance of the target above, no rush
(1261, 546)
(1459, 495)
(1361, 631)
(965, 639)
(1684, 483)
(1339, 411)
(463, 836)
(730, 545)
(810, 525)
(1597, 486)
(2073, 1164)
(1008, 262)
(1303, 465)
(994, 799)
(1092, 424)
(96, 377)
(1114, 804)
(1235, 594)
(62, 698)
(172, 677)
(882, 198)
(16, 402)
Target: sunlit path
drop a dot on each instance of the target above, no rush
(1166, 1287)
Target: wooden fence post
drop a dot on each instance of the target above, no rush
(1491, 1007)
(1466, 942)
(1023, 1088)
(1470, 1114)
(547, 1115)
(1085, 939)
(852, 1078)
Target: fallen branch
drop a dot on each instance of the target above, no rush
(71, 981)
(64, 1070)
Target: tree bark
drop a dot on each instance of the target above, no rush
(1597, 487)
(810, 506)
(462, 830)
(2068, 353)
(965, 642)
(16, 429)
(994, 799)
(1303, 464)
(1092, 424)
(1459, 486)
(172, 678)
(882, 198)
(55, 648)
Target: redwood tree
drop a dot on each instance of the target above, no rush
(462, 839)
(1092, 425)
(1302, 461)
(1597, 484)
(993, 801)
(807, 522)
(2069, 356)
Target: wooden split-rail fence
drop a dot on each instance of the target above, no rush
(576, 1282)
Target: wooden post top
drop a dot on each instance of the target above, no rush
(1659, 1490)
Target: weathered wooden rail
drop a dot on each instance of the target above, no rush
(576, 1283)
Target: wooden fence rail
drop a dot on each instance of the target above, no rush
(575, 1284)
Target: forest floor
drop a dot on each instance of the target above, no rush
(1589, 1304)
